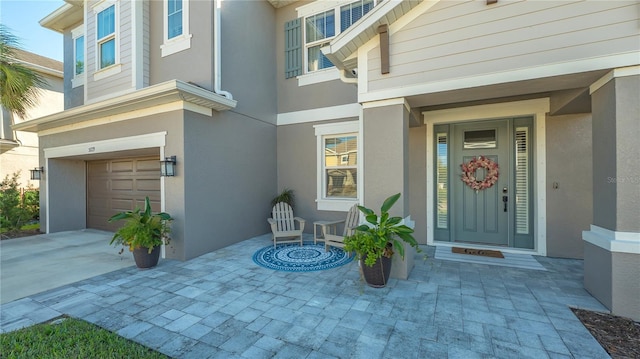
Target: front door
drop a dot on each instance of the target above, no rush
(481, 215)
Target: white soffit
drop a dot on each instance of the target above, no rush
(63, 17)
(343, 46)
(160, 94)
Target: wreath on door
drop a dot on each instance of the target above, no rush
(469, 173)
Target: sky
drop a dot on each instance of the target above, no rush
(22, 18)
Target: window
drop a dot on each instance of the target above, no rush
(321, 27)
(77, 36)
(176, 27)
(106, 37)
(337, 165)
(174, 18)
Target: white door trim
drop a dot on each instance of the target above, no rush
(537, 108)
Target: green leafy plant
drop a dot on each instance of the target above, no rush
(142, 228)
(15, 209)
(286, 196)
(376, 238)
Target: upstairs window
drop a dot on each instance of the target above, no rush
(176, 27)
(322, 21)
(174, 18)
(106, 37)
(77, 36)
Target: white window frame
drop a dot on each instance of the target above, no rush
(78, 79)
(177, 43)
(338, 129)
(315, 8)
(116, 67)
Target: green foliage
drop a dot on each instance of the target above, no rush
(142, 228)
(19, 85)
(70, 338)
(286, 196)
(16, 210)
(372, 240)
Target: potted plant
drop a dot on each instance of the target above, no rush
(375, 241)
(143, 232)
(286, 196)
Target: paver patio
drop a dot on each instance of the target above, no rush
(222, 305)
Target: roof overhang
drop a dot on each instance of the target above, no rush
(342, 50)
(163, 93)
(281, 3)
(64, 17)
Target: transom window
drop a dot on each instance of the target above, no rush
(321, 28)
(106, 37)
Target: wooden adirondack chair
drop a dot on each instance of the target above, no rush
(331, 238)
(283, 224)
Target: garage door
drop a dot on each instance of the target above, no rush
(120, 185)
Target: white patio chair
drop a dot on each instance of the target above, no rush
(331, 238)
(283, 224)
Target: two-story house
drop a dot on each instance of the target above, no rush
(349, 102)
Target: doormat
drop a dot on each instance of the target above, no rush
(477, 252)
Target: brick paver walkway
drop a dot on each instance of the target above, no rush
(222, 305)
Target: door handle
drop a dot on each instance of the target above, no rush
(505, 199)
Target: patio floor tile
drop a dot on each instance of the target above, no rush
(222, 305)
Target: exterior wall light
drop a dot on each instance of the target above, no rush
(168, 167)
(36, 173)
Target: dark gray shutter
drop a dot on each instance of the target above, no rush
(293, 48)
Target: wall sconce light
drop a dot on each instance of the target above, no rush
(36, 173)
(168, 167)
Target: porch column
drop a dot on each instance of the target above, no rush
(386, 160)
(612, 246)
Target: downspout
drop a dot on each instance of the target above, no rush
(347, 80)
(217, 72)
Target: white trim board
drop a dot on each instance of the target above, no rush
(319, 114)
(536, 108)
(117, 144)
(613, 241)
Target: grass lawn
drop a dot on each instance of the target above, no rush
(70, 338)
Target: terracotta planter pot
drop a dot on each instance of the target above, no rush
(376, 276)
(144, 259)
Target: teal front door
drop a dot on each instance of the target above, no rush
(481, 215)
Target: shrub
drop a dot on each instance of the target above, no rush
(15, 209)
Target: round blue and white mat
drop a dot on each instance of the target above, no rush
(295, 258)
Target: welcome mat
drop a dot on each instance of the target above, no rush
(477, 252)
(513, 260)
(295, 258)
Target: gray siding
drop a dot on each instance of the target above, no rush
(569, 163)
(292, 97)
(73, 97)
(118, 82)
(457, 39)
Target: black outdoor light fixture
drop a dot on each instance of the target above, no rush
(36, 173)
(168, 167)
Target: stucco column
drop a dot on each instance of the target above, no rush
(386, 165)
(612, 245)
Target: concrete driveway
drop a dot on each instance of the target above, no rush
(31, 265)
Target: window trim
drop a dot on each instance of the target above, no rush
(115, 67)
(333, 130)
(78, 79)
(315, 8)
(178, 43)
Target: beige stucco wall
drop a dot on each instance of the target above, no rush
(569, 165)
